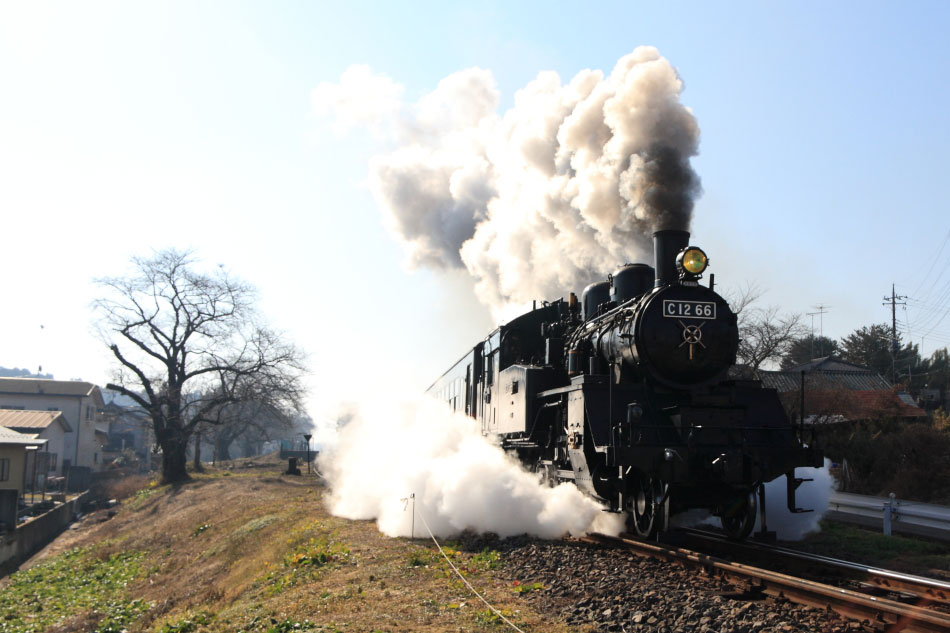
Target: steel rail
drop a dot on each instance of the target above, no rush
(884, 579)
(881, 613)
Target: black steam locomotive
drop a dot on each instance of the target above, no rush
(627, 394)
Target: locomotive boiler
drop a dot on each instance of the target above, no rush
(627, 394)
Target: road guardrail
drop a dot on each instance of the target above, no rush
(890, 514)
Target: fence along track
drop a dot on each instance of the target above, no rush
(881, 613)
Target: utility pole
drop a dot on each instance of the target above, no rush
(893, 300)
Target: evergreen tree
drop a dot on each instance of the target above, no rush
(808, 348)
(871, 347)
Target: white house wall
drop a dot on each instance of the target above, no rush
(74, 410)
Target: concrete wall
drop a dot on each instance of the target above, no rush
(30, 537)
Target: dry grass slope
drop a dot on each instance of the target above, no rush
(251, 550)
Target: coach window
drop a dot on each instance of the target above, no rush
(468, 389)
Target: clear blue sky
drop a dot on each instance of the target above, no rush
(126, 127)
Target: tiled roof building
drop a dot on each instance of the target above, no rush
(838, 390)
(80, 404)
(42, 386)
(50, 427)
(32, 421)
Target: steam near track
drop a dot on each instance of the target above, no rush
(388, 450)
(812, 495)
(575, 175)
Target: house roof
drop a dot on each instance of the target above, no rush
(45, 387)
(32, 421)
(828, 363)
(9, 436)
(827, 373)
(854, 380)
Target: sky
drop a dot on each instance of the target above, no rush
(126, 128)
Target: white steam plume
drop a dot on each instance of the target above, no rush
(811, 495)
(460, 479)
(545, 198)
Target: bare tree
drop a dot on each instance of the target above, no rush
(264, 412)
(188, 345)
(765, 334)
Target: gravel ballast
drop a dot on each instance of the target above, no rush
(612, 590)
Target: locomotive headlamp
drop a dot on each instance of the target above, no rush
(692, 261)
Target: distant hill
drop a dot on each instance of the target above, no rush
(16, 372)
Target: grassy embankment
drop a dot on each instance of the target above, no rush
(900, 553)
(249, 550)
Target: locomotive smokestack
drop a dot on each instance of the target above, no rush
(666, 245)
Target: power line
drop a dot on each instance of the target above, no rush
(933, 262)
(935, 310)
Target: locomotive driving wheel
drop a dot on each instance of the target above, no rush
(645, 506)
(738, 518)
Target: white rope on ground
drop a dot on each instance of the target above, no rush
(459, 574)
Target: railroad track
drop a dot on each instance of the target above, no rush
(904, 587)
(881, 613)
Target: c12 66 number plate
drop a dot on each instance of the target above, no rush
(689, 309)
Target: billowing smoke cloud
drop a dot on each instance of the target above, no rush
(459, 479)
(543, 199)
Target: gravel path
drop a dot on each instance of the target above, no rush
(616, 591)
